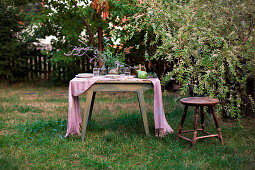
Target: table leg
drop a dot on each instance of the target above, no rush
(143, 111)
(92, 104)
(86, 113)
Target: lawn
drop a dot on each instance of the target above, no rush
(33, 124)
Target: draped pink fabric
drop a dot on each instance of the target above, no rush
(159, 114)
(77, 86)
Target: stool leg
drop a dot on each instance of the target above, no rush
(195, 126)
(182, 121)
(217, 124)
(202, 118)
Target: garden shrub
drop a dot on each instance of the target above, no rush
(209, 43)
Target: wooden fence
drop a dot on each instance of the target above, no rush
(42, 68)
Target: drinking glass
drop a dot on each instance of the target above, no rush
(122, 70)
(103, 71)
(127, 71)
(96, 71)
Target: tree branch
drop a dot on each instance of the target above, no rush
(87, 25)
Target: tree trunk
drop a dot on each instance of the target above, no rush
(250, 93)
(100, 44)
(87, 25)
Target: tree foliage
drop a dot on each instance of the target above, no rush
(13, 51)
(70, 20)
(210, 44)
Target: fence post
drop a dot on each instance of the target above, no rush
(49, 70)
(44, 67)
(31, 70)
(40, 67)
(59, 70)
(54, 68)
(36, 66)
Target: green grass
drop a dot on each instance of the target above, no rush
(33, 125)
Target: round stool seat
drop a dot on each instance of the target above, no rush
(199, 101)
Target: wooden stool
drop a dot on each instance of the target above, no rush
(199, 102)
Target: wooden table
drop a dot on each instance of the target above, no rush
(116, 86)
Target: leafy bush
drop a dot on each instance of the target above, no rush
(209, 43)
(13, 52)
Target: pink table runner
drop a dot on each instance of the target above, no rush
(77, 86)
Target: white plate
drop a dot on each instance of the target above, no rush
(113, 76)
(84, 75)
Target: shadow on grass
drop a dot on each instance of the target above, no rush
(126, 123)
(6, 162)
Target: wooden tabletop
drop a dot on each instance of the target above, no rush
(123, 81)
(199, 101)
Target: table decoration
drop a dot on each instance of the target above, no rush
(84, 75)
(96, 71)
(113, 76)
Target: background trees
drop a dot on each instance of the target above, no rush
(208, 46)
(13, 51)
(70, 20)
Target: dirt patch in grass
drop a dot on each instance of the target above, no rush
(5, 132)
(249, 123)
(47, 106)
(28, 97)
